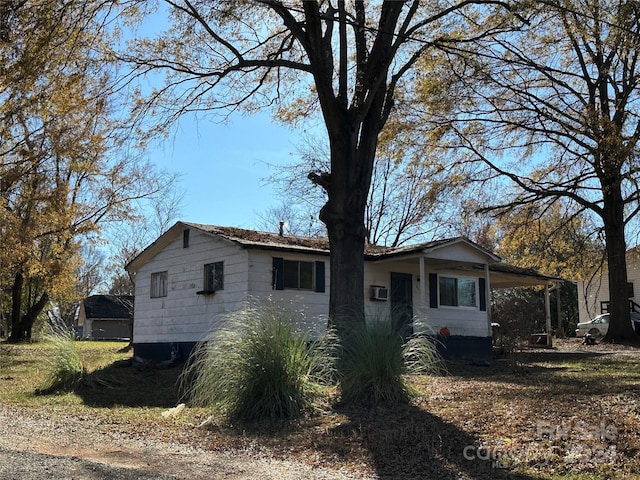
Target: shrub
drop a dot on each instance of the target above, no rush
(257, 366)
(375, 359)
(66, 370)
(519, 312)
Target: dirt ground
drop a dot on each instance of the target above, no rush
(33, 447)
(47, 443)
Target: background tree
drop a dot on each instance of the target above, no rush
(296, 219)
(153, 216)
(63, 170)
(555, 242)
(89, 274)
(469, 222)
(556, 113)
(121, 284)
(519, 312)
(353, 56)
(406, 200)
(301, 200)
(550, 239)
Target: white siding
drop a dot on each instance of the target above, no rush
(183, 315)
(459, 252)
(186, 316)
(313, 305)
(459, 320)
(379, 274)
(464, 321)
(633, 276)
(591, 294)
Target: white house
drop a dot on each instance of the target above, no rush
(193, 274)
(593, 294)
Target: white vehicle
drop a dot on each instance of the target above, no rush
(599, 325)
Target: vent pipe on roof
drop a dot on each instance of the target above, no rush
(281, 231)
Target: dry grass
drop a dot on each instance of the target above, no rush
(571, 412)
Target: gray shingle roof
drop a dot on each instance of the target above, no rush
(270, 240)
(108, 306)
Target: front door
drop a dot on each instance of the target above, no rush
(402, 303)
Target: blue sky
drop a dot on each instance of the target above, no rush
(223, 166)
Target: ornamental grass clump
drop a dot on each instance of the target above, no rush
(65, 368)
(258, 367)
(375, 359)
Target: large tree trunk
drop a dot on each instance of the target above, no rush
(346, 304)
(353, 121)
(16, 308)
(620, 328)
(22, 325)
(353, 140)
(30, 317)
(343, 214)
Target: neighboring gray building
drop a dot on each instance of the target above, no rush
(106, 317)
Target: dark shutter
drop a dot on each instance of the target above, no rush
(433, 290)
(319, 276)
(278, 274)
(482, 286)
(219, 276)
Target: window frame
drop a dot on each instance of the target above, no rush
(457, 292)
(311, 275)
(218, 280)
(277, 275)
(159, 284)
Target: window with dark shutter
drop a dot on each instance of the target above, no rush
(320, 277)
(277, 274)
(482, 292)
(298, 275)
(433, 290)
(457, 292)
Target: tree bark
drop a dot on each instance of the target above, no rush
(22, 325)
(29, 318)
(620, 329)
(353, 142)
(343, 214)
(16, 308)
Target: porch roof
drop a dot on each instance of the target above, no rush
(502, 275)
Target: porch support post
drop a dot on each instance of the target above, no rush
(487, 296)
(547, 312)
(423, 285)
(560, 332)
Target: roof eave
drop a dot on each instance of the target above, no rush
(426, 248)
(284, 248)
(150, 251)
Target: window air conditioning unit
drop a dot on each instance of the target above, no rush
(379, 293)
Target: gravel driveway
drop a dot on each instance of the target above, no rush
(23, 465)
(32, 446)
